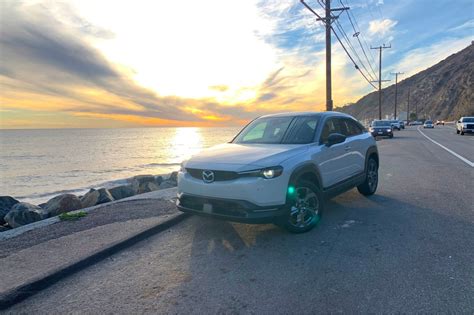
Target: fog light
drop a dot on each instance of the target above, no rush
(291, 190)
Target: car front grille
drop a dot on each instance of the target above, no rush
(218, 175)
(223, 207)
(470, 126)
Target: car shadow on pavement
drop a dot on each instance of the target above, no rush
(369, 254)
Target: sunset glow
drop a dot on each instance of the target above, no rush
(84, 63)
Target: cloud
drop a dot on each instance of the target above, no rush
(48, 66)
(381, 26)
(467, 25)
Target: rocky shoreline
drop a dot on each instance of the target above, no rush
(14, 213)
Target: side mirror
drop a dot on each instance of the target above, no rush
(335, 138)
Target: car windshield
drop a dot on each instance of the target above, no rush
(468, 119)
(380, 123)
(274, 130)
(428, 122)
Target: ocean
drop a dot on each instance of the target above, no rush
(36, 165)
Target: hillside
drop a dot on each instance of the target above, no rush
(443, 91)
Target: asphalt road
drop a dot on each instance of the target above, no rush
(407, 249)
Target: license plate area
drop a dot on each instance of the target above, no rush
(207, 208)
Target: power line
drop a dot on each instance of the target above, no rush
(396, 91)
(358, 34)
(351, 47)
(380, 48)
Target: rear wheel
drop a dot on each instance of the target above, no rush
(369, 187)
(305, 208)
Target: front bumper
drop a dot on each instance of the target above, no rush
(229, 209)
(381, 133)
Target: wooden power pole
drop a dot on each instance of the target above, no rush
(327, 20)
(396, 92)
(380, 48)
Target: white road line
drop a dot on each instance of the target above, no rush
(471, 164)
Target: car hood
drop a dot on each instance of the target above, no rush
(242, 157)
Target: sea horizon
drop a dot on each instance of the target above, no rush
(47, 162)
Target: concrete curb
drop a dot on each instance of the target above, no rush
(20, 293)
(167, 193)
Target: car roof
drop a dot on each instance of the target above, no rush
(302, 114)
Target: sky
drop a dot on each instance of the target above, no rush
(124, 63)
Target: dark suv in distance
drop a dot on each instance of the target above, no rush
(381, 128)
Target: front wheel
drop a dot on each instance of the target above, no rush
(305, 208)
(369, 186)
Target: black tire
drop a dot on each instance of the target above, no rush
(462, 133)
(299, 218)
(391, 136)
(457, 131)
(369, 186)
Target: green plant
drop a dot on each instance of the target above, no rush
(71, 216)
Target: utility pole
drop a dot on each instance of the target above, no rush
(380, 48)
(408, 107)
(327, 20)
(396, 91)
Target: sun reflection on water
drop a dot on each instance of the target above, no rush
(186, 142)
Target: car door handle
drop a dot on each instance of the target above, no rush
(347, 147)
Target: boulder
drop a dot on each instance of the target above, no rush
(174, 177)
(121, 192)
(90, 198)
(140, 183)
(104, 196)
(158, 180)
(96, 197)
(24, 213)
(62, 203)
(6, 203)
(167, 184)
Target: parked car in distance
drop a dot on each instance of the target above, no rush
(440, 122)
(465, 124)
(395, 124)
(381, 128)
(416, 123)
(402, 124)
(428, 124)
(280, 168)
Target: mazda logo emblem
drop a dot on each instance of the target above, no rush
(208, 176)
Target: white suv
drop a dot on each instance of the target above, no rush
(280, 168)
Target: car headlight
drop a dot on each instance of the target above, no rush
(268, 172)
(389, 130)
(371, 129)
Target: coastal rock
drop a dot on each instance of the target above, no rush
(121, 192)
(24, 213)
(104, 196)
(62, 203)
(158, 180)
(167, 184)
(90, 198)
(6, 203)
(174, 177)
(140, 183)
(96, 197)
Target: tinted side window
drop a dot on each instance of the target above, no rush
(332, 125)
(352, 127)
(302, 131)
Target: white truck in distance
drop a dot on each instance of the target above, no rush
(465, 124)
(280, 169)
